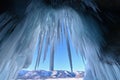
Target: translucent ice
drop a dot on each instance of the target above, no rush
(43, 26)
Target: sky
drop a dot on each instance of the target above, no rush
(61, 59)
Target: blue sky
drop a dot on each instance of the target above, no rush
(61, 59)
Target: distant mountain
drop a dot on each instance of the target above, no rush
(24, 74)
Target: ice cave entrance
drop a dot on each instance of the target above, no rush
(61, 59)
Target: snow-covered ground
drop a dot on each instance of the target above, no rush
(50, 75)
(55, 79)
(66, 79)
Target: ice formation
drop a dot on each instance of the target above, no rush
(45, 26)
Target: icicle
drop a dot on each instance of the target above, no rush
(52, 58)
(69, 55)
(17, 48)
(46, 47)
(67, 35)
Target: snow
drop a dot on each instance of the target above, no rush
(42, 74)
(57, 79)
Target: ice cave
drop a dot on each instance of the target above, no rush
(92, 26)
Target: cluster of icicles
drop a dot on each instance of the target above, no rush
(46, 26)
